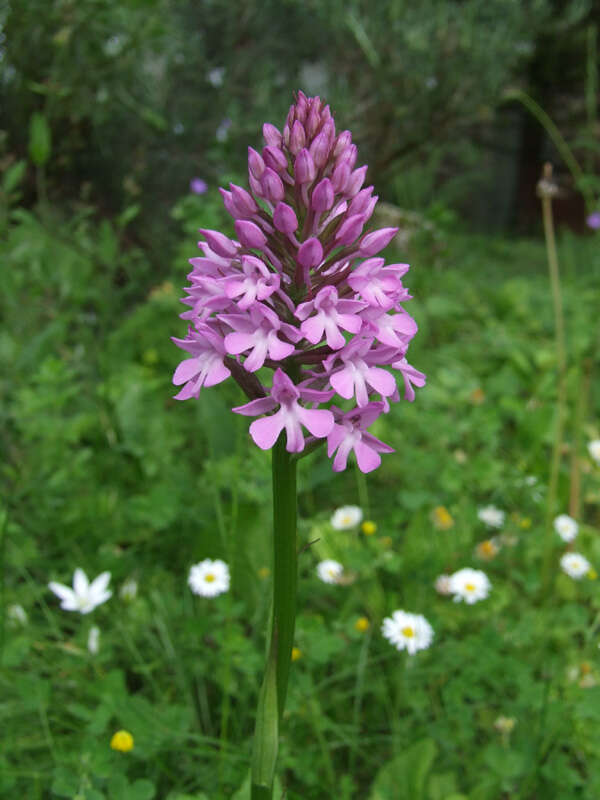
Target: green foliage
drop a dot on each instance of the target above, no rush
(103, 470)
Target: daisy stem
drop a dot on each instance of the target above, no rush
(273, 691)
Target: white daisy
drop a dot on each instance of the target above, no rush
(329, 571)
(209, 578)
(128, 590)
(410, 632)
(575, 565)
(594, 450)
(469, 585)
(492, 516)
(93, 642)
(566, 527)
(346, 518)
(84, 596)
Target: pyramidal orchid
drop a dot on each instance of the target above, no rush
(300, 291)
(301, 311)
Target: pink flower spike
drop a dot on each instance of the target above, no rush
(350, 434)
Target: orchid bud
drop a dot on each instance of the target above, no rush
(219, 243)
(322, 196)
(284, 218)
(375, 241)
(272, 186)
(304, 167)
(297, 138)
(350, 229)
(256, 165)
(249, 234)
(244, 202)
(274, 158)
(310, 253)
(271, 135)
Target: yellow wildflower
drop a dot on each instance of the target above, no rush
(362, 624)
(122, 741)
(296, 653)
(442, 519)
(487, 549)
(368, 527)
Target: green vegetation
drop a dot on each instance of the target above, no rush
(106, 472)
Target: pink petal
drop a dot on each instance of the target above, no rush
(335, 438)
(381, 380)
(255, 407)
(313, 329)
(186, 371)
(319, 422)
(265, 431)
(343, 383)
(217, 373)
(367, 459)
(279, 350)
(341, 458)
(236, 343)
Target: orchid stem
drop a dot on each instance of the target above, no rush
(274, 689)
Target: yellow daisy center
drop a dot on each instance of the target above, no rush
(408, 632)
(209, 577)
(470, 587)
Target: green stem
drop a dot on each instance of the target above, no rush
(559, 330)
(274, 689)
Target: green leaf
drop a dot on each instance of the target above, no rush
(40, 139)
(13, 176)
(403, 778)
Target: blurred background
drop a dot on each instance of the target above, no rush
(118, 123)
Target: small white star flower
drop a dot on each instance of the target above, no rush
(128, 590)
(469, 585)
(410, 632)
(491, 516)
(16, 615)
(93, 642)
(330, 571)
(594, 450)
(346, 518)
(575, 565)
(84, 596)
(566, 527)
(209, 578)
